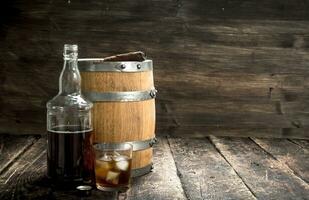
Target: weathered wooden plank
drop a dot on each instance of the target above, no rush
(233, 120)
(211, 58)
(246, 10)
(188, 131)
(291, 154)
(232, 9)
(290, 95)
(296, 107)
(162, 182)
(300, 133)
(21, 126)
(26, 179)
(180, 106)
(237, 106)
(204, 172)
(265, 176)
(235, 80)
(229, 59)
(258, 33)
(244, 55)
(233, 87)
(25, 170)
(12, 147)
(302, 143)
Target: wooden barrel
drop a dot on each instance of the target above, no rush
(123, 94)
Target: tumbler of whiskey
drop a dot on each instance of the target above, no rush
(113, 162)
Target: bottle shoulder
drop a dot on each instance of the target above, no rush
(62, 101)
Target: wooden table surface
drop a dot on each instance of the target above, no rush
(184, 168)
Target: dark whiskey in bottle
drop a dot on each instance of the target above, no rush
(70, 154)
(69, 128)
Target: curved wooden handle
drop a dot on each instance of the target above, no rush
(131, 56)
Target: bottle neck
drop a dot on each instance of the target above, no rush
(70, 80)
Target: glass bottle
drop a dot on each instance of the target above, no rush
(69, 128)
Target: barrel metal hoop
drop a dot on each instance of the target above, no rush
(98, 65)
(143, 144)
(121, 96)
(141, 171)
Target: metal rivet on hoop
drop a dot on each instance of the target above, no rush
(152, 142)
(153, 93)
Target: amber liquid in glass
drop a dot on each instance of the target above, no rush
(113, 172)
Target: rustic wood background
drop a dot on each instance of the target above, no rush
(222, 67)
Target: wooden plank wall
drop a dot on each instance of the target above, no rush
(222, 67)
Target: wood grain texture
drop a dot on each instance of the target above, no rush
(244, 52)
(124, 121)
(142, 158)
(197, 132)
(14, 181)
(162, 182)
(204, 173)
(263, 174)
(116, 82)
(294, 156)
(215, 168)
(302, 143)
(11, 148)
